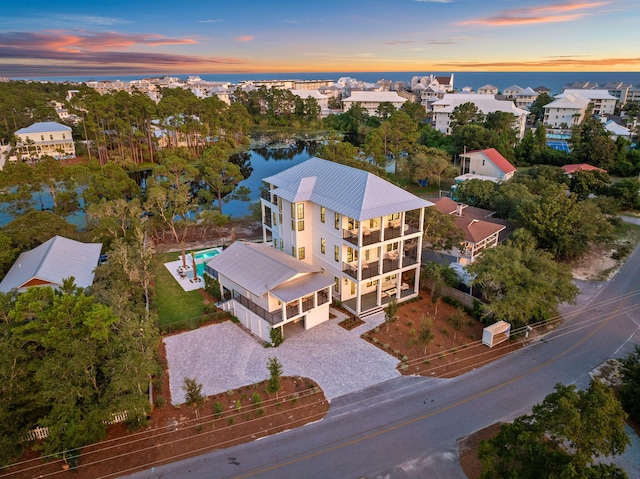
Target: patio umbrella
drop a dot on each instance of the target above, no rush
(195, 271)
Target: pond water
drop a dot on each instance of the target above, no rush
(264, 162)
(255, 164)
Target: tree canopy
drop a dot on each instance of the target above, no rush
(520, 283)
(565, 436)
(68, 364)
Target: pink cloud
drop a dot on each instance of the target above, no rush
(551, 13)
(566, 63)
(246, 38)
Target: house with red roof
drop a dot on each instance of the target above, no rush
(479, 232)
(570, 169)
(486, 164)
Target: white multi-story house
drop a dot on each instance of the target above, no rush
(525, 97)
(370, 100)
(442, 110)
(362, 231)
(488, 89)
(45, 138)
(512, 91)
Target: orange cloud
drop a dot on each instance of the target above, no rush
(565, 63)
(63, 40)
(246, 38)
(555, 12)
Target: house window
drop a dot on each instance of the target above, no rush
(336, 284)
(293, 225)
(337, 220)
(64, 136)
(323, 245)
(281, 245)
(395, 216)
(51, 137)
(323, 214)
(353, 287)
(280, 215)
(274, 218)
(293, 210)
(41, 137)
(279, 204)
(300, 209)
(301, 252)
(293, 251)
(301, 225)
(336, 253)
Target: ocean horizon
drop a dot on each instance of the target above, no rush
(555, 81)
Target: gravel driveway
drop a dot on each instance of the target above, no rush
(224, 356)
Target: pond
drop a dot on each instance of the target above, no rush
(256, 164)
(264, 162)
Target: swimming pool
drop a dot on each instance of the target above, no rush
(206, 254)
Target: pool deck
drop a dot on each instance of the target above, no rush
(186, 283)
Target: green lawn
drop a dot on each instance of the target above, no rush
(172, 302)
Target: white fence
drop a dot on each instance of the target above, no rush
(41, 432)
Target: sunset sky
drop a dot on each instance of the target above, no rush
(118, 37)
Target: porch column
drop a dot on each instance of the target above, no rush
(284, 311)
(358, 298)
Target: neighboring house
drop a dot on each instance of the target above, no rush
(479, 234)
(488, 90)
(616, 130)
(45, 138)
(362, 231)
(525, 97)
(267, 289)
(51, 262)
(570, 169)
(485, 164)
(512, 91)
(443, 109)
(370, 100)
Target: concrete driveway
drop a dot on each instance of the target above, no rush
(224, 356)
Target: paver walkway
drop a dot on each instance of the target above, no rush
(224, 356)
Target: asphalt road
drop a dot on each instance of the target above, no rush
(408, 427)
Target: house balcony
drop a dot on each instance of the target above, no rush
(394, 229)
(369, 269)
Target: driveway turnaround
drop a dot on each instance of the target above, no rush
(224, 356)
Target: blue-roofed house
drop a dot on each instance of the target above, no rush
(362, 231)
(46, 138)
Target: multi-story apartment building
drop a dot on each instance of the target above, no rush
(443, 110)
(361, 230)
(371, 100)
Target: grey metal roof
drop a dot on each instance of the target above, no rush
(258, 267)
(349, 191)
(300, 287)
(53, 261)
(43, 127)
